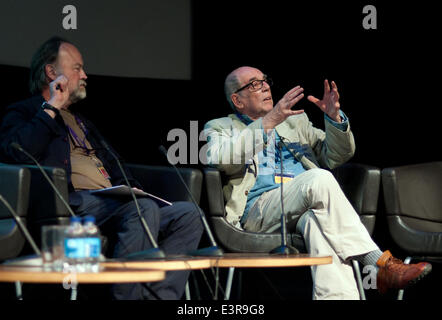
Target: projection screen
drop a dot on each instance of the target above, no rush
(135, 38)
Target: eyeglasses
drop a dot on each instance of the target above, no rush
(256, 85)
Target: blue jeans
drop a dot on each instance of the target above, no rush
(177, 230)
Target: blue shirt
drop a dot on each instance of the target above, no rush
(270, 161)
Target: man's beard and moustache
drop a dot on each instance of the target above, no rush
(79, 93)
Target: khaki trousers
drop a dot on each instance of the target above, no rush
(328, 223)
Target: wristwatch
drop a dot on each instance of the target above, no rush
(46, 105)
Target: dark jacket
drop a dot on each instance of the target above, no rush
(47, 140)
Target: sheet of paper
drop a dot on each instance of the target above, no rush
(123, 190)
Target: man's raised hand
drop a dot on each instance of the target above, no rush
(330, 101)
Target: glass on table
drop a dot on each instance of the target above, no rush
(52, 238)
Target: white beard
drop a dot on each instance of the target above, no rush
(77, 95)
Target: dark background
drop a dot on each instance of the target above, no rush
(388, 79)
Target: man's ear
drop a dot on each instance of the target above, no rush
(50, 72)
(236, 101)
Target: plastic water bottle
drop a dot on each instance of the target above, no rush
(74, 245)
(92, 243)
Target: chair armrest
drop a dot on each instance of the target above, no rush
(14, 187)
(165, 183)
(360, 184)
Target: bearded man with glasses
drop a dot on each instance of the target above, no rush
(243, 146)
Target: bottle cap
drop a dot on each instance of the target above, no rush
(75, 219)
(89, 219)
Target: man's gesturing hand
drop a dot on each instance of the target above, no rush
(283, 110)
(330, 101)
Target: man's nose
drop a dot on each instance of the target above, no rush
(83, 75)
(265, 86)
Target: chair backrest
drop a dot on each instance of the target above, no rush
(14, 188)
(165, 183)
(414, 193)
(361, 184)
(44, 204)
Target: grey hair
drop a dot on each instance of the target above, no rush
(231, 84)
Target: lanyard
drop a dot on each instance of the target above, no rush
(81, 143)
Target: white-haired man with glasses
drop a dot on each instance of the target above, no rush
(313, 200)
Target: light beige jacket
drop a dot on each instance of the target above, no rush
(233, 148)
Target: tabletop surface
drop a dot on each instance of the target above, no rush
(173, 263)
(154, 270)
(34, 274)
(252, 260)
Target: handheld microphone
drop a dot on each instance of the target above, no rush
(214, 250)
(155, 252)
(283, 248)
(18, 147)
(21, 225)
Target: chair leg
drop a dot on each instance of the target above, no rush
(187, 291)
(18, 290)
(357, 273)
(400, 295)
(195, 286)
(229, 283)
(74, 293)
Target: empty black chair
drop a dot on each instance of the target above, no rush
(413, 204)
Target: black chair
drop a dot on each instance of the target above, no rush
(14, 187)
(359, 182)
(46, 208)
(413, 204)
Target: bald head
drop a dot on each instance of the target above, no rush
(234, 81)
(255, 98)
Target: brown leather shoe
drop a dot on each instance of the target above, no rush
(393, 273)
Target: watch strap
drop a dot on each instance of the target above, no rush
(46, 105)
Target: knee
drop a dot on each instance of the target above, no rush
(322, 178)
(147, 204)
(321, 184)
(148, 209)
(190, 214)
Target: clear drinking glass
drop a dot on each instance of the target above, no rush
(52, 238)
